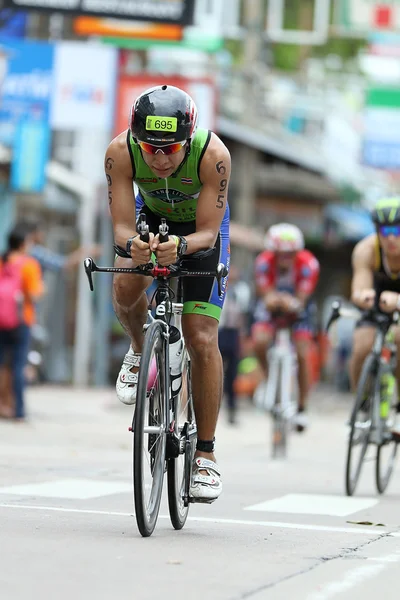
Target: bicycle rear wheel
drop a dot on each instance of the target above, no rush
(179, 468)
(150, 427)
(360, 423)
(387, 450)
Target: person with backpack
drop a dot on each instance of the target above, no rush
(21, 286)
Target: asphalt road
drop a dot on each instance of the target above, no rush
(281, 529)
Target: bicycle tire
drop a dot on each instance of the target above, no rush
(179, 468)
(382, 475)
(360, 430)
(280, 424)
(151, 410)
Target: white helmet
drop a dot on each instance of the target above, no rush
(284, 237)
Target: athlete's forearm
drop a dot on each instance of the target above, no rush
(200, 240)
(122, 233)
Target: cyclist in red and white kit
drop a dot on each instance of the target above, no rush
(286, 276)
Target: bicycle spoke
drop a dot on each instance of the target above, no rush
(180, 466)
(387, 451)
(360, 425)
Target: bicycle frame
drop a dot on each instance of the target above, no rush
(281, 362)
(280, 387)
(383, 322)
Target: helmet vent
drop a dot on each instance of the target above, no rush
(164, 87)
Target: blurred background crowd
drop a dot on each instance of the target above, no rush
(305, 94)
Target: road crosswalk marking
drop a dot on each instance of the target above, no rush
(313, 504)
(74, 489)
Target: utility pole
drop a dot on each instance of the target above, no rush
(247, 158)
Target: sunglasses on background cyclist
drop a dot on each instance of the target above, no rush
(386, 230)
(167, 150)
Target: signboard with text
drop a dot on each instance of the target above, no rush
(367, 15)
(381, 142)
(25, 93)
(179, 12)
(83, 98)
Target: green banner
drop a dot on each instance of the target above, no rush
(383, 96)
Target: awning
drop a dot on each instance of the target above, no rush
(344, 223)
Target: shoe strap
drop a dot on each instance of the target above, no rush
(205, 464)
(128, 377)
(132, 359)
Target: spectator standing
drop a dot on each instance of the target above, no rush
(21, 286)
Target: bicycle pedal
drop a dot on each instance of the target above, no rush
(201, 500)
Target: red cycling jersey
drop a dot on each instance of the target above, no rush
(303, 277)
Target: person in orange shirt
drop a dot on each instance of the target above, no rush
(15, 340)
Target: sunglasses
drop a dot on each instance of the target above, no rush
(170, 149)
(386, 230)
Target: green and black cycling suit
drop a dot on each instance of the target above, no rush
(384, 281)
(175, 199)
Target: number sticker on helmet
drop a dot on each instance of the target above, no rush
(167, 124)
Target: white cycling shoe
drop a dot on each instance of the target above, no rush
(126, 385)
(205, 488)
(300, 421)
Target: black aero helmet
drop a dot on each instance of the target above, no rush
(163, 115)
(386, 211)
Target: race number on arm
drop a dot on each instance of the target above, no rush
(215, 172)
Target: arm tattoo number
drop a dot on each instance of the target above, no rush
(221, 167)
(109, 163)
(220, 201)
(109, 198)
(222, 185)
(109, 180)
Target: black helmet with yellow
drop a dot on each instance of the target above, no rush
(386, 211)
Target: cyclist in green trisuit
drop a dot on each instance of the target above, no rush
(376, 274)
(182, 173)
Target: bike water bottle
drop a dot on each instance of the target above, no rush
(175, 358)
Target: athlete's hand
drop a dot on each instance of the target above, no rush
(272, 301)
(166, 252)
(364, 299)
(388, 301)
(289, 303)
(141, 251)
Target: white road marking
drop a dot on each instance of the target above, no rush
(271, 524)
(309, 504)
(354, 578)
(76, 489)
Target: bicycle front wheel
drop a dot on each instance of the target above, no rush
(150, 427)
(280, 417)
(179, 467)
(360, 424)
(387, 449)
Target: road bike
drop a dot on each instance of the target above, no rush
(163, 424)
(375, 407)
(279, 397)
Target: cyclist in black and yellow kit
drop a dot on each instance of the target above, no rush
(376, 274)
(182, 173)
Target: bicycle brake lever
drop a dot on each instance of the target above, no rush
(335, 314)
(90, 267)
